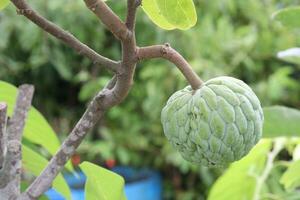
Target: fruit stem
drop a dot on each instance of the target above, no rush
(167, 52)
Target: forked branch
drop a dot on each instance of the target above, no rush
(11, 172)
(108, 18)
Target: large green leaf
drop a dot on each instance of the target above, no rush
(171, 14)
(3, 4)
(239, 181)
(289, 17)
(35, 163)
(102, 184)
(37, 130)
(281, 121)
(291, 179)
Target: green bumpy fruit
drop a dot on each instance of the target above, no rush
(214, 125)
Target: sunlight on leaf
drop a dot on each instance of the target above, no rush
(152, 10)
(3, 4)
(180, 13)
(291, 55)
(291, 179)
(171, 14)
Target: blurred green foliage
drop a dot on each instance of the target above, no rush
(232, 37)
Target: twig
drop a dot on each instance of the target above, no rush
(3, 110)
(108, 18)
(131, 13)
(13, 158)
(65, 36)
(167, 52)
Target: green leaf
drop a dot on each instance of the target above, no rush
(171, 14)
(289, 17)
(152, 10)
(35, 163)
(291, 55)
(3, 4)
(180, 13)
(281, 121)
(231, 185)
(37, 130)
(102, 184)
(291, 179)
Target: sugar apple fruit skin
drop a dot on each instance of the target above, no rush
(214, 125)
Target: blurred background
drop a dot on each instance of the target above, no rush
(232, 37)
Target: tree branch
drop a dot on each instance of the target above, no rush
(104, 100)
(13, 158)
(3, 110)
(114, 93)
(126, 73)
(111, 84)
(168, 53)
(131, 13)
(23, 104)
(56, 164)
(66, 37)
(108, 18)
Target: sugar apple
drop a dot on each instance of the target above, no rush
(214, 125)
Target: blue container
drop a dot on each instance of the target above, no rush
(76, 184)
(140, 184)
